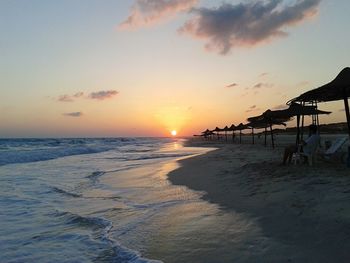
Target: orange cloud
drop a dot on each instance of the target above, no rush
(149, 12)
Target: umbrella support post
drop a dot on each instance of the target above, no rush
(298, 130)
(265, 136)
(240, 137)
(346, 104)
(253, 134)
(272, 140)
(302, 124)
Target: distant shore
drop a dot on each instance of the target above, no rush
(304, 211)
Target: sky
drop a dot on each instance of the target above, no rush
(92, 68)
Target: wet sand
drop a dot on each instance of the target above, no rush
(304, 211)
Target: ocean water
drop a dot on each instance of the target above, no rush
(109, 200)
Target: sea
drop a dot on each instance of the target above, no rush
(110, 200)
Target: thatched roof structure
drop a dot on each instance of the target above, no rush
(294, 109)
(337, 89)
(241, 126)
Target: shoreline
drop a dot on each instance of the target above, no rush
(306, 210)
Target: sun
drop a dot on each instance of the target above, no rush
(173, 133)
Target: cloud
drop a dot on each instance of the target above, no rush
(65, 98)
(279, 107)
(246, 24)
(149, 12)
(99, 95)
(78, 94)
(104, 94)
(264, 74)
(70, 98)
(262, 85)
(232, 85)
(73, 114)
(252, 108)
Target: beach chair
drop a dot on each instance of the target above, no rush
(299, 156)
(333, 152)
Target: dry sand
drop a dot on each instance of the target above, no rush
(305, 209)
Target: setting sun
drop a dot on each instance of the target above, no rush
(173, 133)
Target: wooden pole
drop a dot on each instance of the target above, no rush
(302, 123)
(272, 140)
(347, 112)
(265, 135)
(298, 130)
(240, 136)
(253, 134)
(346, 104)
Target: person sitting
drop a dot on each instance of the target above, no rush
(309, 146)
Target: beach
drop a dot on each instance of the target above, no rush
(168, 200)
(303, 212)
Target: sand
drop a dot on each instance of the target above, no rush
(305, 210)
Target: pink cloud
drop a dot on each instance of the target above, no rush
(149, 12)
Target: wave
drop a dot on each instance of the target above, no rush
(95, 175)
(25, 156)
(157, 156)
(64, 192)
(34, 150)
(101, 228)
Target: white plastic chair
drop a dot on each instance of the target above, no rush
(310, 154)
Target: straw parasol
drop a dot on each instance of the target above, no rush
(337, 89)
(241, 127)
(298, 110)
(233, 128)
(217, 130)
(226, 129)
(263, 122)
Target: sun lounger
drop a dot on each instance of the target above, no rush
(332, 152)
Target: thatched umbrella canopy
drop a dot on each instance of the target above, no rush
(296, 109)
(207, 133)
(262, 122)
(239, 128)
(217, 130)
(281, 116)
(226, 129)
(337, 89)
(233, 128)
